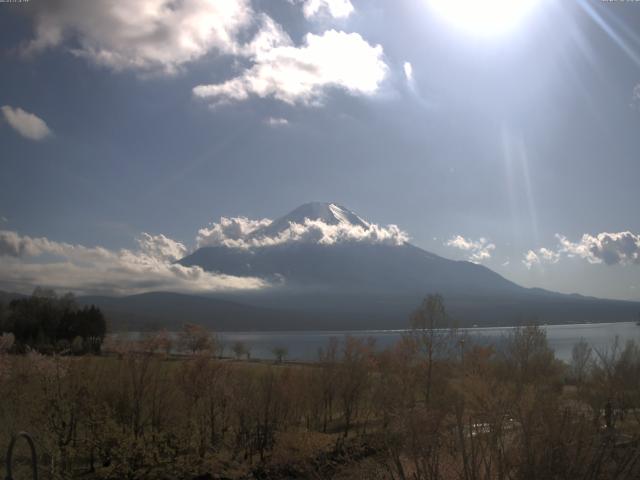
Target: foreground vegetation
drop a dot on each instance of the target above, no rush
(434, 406)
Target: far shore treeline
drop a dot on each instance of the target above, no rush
(51, 323)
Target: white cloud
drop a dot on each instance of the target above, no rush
(14, 245)
(635, 96)
(531, 258)
(609, 248)
(334, 8)
(27, 261)
(143, 34)
(270, 35)
(618, 248)
(244, 233)
(478, 250)
(408, 71)
(161, 247)
(230, 232)
(26, 124)
(161, 36)
(542, 255)
(548, 255)
(276, 122)
(301, 75)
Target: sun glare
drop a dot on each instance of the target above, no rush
(484, 17)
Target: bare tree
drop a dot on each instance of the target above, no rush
(580, 360)
(328, 358)
(353, 377)
(280, 353)
(239, 349)
(425, 323)
(195, 338)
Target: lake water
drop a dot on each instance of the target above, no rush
(303, 346)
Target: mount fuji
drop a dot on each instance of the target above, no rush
(330, 269)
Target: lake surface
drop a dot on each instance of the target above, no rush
(303, 346)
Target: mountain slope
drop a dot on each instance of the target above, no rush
(377, 285)
(354, 267)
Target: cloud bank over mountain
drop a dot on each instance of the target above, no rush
(29, 261)
(230, 232)
(326, 224)
(26, 262)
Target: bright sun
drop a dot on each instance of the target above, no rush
(484, 17)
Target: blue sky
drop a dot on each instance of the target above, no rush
(162, 117)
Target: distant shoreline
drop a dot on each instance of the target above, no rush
(303, 345)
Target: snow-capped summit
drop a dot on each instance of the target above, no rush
(311, 223)
(328, 213)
